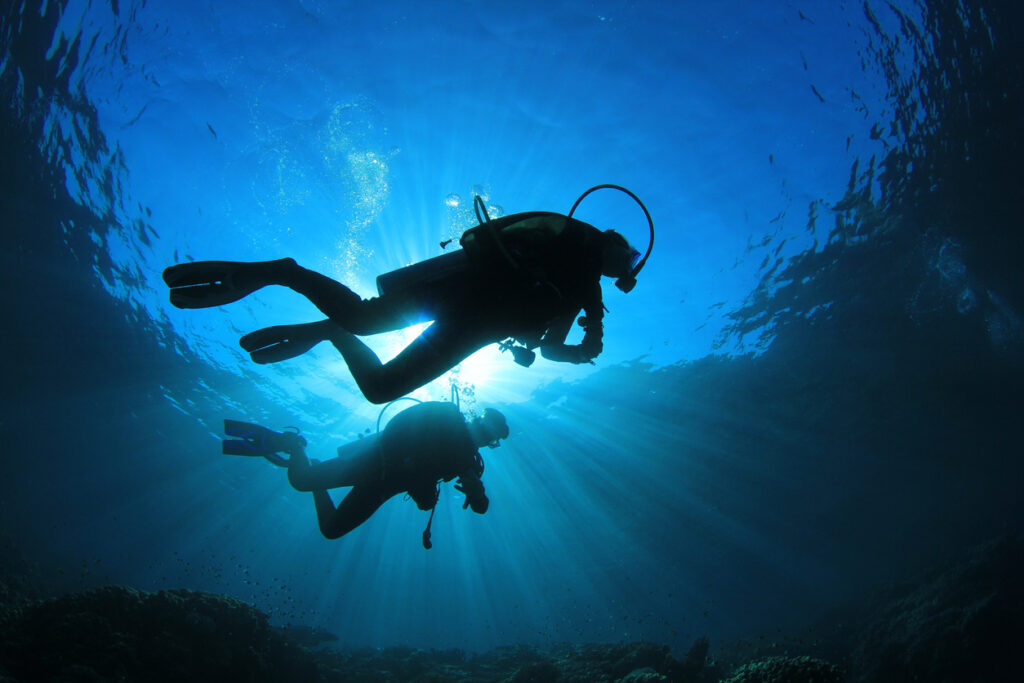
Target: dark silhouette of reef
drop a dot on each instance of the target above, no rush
(120, 634)
(956, 623)
(961, 622)
(117, 633)
(802, 669)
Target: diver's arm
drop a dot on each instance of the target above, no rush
(473, 488)
(553, 346)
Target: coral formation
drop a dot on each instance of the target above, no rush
(960, 622)
(118, 633)
(787, 670)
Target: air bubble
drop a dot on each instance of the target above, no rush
(950, 263)
(453, 200)
(966, 301)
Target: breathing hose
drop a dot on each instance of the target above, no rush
(650, 223)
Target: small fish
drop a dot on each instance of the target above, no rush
(212, 131)
(817, 93)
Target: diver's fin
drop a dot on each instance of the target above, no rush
(281, 342)
(247, 430)
(239, 447)
(254, 440)
(205, 284)
(251, 439)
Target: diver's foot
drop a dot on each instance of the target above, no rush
(205, 284)
(281, 342)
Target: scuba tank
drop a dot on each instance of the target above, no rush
(484, 237)
(419, 274)
(438, 267)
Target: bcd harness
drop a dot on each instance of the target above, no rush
(477, 460)
(486, 233)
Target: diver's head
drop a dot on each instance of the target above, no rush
(618, 257)
(489, 428)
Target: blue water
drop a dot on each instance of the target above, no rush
(699, 479)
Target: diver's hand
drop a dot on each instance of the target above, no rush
(473, 489)
(592, 344)
(584, 353)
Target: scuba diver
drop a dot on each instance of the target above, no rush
(419, 448)
(521, 278)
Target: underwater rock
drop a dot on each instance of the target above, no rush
(959, 622)
(308, 636)
(787, 670)
(962, 622)
(116, 633)
(694, 663)
(538, 672)
(645, 675)
(18, 583)
(396, 664)
(592, 663)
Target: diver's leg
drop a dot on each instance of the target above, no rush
(355, 465)
(281, 342)
(203, 284)
(437, 350)
(357, 507)
(347, 309)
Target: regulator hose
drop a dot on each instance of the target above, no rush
(625, 284)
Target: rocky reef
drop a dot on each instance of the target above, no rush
(959, 622)
(121, 634)
(802, 669)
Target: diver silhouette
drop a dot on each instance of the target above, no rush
(420, 447)
(521, 278)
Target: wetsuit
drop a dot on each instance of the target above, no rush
(420, 446)
(546, 269)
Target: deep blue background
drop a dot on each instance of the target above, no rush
(710, 475)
